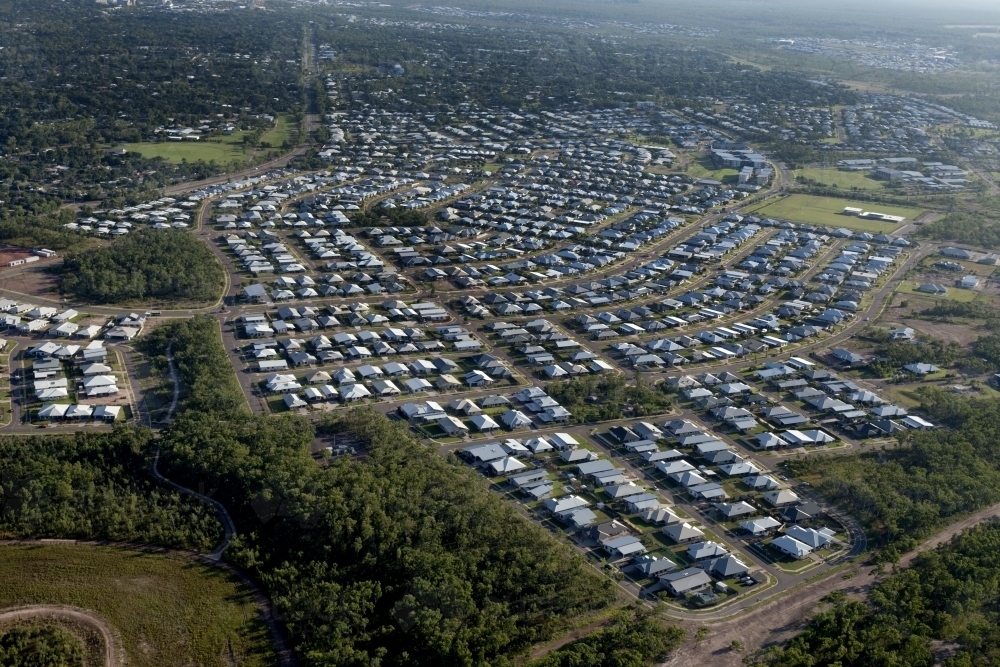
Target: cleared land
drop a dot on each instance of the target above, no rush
(954, 293)
(845, 180)
(223, 149)
(168, 611)
(703, 168)
(828, 211)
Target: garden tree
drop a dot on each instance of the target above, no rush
(40, 646)
(95, 486)
(948, 595)
(144, 265)
(402, 556)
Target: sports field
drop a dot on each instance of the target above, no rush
(222, 149)
(844, 180)
(828, 211)
(168, 611)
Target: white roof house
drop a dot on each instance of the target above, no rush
(791, 547)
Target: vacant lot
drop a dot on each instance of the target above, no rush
(702, 167)
(954, 293)
(169, 612)
(828, 211)
(845, 180)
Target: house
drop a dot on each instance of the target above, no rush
(453, 426)
(933, 288)
(728, 566)
(682, 533)
(811, 537)
(780, 497)
(446, 382)
(624, 434)
(354, 392)
(383, 388)
(758, 527)
(921, 369)
(734, 510)
(685, 581)
(650, 567)
(515, 419)
(905, 333)
(624, 547)
(478, 378)
(846, 357)
(561, 506)
(415, 385)
(121, 333)
(791, 547)
(483, 423)
(705, 550)
(505, 466)
(293, 401)
(563, 441)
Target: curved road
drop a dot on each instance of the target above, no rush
(782, 617)
(81, 616)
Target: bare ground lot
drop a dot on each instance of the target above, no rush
(962, 334)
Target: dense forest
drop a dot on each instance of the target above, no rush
(399, 556)
(902, 494)
(977, 230)
(146, 265)
(40, 646)
(948, 595)
(95, 486)
(630, 640)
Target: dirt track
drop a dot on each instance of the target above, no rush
(111, 653)
(780, 619)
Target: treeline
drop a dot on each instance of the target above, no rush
(948, 595)
(163, 265)
(95, 486)
(901, 495)
(978, 230)
(40, 228)
(40, 646)
(398, 557)
(630, 640)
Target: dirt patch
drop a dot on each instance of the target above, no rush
(962, 334)
(8, 255)
(38, 281)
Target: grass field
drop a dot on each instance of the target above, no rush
(954, 293)
(827, 211)
(222, 149)
(703, 168)
(845, 180)
(167, 611)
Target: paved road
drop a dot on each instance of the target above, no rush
(112, 654)
(781, 618)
